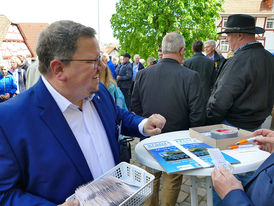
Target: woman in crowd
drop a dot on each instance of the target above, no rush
(18, 73)
(150, 61)
(7, 83)
(106, 78)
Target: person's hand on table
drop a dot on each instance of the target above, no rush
(266, 142)
(154, 124)
(71, 203)
(224, 182)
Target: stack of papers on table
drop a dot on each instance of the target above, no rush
(183, 154)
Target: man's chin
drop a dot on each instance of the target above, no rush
(94, 90)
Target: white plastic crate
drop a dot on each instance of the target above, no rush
(132, 175)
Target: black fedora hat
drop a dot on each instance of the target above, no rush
(242, 23)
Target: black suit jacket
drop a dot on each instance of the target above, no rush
(205, 67)
(172, 90)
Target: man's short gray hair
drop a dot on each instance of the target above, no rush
(172, 43)
(59, 41)
(212, 42)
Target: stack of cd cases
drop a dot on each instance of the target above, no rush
(125, 184)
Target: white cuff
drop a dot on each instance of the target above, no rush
(141, 127)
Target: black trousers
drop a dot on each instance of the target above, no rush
(127, 95)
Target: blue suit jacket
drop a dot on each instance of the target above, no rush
(259, 190)
(41, 162)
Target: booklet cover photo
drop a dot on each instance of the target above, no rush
(172, 159)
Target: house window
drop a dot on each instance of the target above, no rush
(224, 46)
(270, 23)
(224, 22)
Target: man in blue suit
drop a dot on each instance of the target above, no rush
(63, 132)
(259, 189)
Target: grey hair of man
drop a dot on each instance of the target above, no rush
(212, 42)
(59, 41)
(172, 43)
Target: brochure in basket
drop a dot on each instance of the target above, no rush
(183, 154)
(106, 191)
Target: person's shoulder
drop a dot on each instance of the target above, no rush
(20, 102)
(187, 71)
(188, 60)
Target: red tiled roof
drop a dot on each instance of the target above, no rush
(109, 49)
(30, 32)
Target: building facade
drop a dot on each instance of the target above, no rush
(18, 38)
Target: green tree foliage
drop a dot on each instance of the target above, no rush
(140, 25)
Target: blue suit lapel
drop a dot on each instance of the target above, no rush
(267, 163)
(57, 124)
(103, 109)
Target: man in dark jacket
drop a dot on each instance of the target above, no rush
(124, 77)
(203, 65)
(211, 53)
(173, 91)
(136, 67)
(243, 93)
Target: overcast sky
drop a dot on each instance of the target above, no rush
(47, 11)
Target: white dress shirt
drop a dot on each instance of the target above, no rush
(88, 130)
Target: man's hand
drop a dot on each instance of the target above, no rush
(71, 203)
(266, 142)
(224, 182)
(154, 124)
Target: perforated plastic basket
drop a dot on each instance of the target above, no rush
(133, 175)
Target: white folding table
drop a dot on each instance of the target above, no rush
(251, 158)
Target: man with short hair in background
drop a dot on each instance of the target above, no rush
(174, 91)
(203, 65)
(124, 75)
(136, 67)
(211, 53)
(160, 55)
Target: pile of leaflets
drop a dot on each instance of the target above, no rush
(105, 191)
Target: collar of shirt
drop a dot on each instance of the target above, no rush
(61, 101)
(135, 67)
(249, 43)
(212, 58)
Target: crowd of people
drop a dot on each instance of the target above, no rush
(73, 105)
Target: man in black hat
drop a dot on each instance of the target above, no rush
(124, 78)
(243, 93)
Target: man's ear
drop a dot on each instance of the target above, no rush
(241, 36)
(57, 68)
(182, 52)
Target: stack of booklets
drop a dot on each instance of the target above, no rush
(183, 154)
(105, 191)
